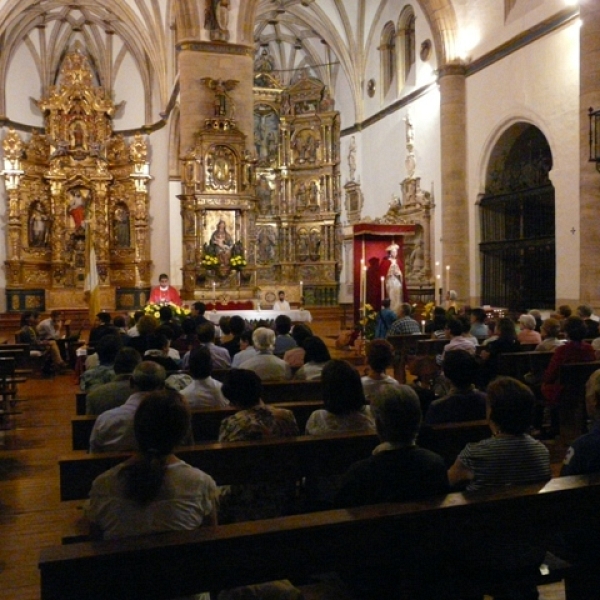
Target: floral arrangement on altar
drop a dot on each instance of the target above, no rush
(369, 322)
(179, 312)
(210, 261)
(237, 262)
(428, 310)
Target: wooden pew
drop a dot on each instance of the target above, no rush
(205, 422)
(571, 408)
(25, 363)
(280, 459)
(432, 531)
(517, 364)
(403, 346)
(274, 392)
(291, 391)
(431, 347)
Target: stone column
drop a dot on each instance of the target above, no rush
(589, 263)
(198, 60)
(454, 204)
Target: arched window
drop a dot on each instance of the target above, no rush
(388, 56)
(407, 43)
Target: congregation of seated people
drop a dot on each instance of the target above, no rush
(397, 471)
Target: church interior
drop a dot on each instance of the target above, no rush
(249, 146)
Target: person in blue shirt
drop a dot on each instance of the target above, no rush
(385, 319)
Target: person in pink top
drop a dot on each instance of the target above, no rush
(528, 334)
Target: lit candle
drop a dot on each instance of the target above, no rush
(365, 288)
(215, 293)
(301, 290)
(382, 287)
(422, 326)
(361, 291)
(447, 278)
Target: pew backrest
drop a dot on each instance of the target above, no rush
(281, 459)
(206, 422)
(175, 564)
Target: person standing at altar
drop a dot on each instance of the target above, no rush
(163, 292)
(390, 270)
(282, 303)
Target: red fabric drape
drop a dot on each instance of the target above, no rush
(375, 256)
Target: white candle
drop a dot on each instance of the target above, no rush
(447, 278)
(365, 288)
(382, 287)
(301, 289)
(422, 326)
(215, 293)
(361, 291)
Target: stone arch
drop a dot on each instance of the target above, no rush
(517, 221)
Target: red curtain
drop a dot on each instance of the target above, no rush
(374, 253)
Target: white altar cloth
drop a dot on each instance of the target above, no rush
(259, 315)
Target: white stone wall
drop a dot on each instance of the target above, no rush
(539, 84)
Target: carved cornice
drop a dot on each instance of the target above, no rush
(216, 48)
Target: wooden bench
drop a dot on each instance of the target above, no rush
(517, 364)
(571, 408)
(433, 531)
(205, 422)
(431, 347)
(281, 459)
(403, 346)
(26, 364)
(274, 392)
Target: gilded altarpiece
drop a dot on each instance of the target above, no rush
(277, 205)
(74, 180)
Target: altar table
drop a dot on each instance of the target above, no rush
(253, 316)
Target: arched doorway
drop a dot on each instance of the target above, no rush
(518, 267)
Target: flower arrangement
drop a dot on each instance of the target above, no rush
(369, 321)
(428, 310)
(210, 261)
(237, 262)
(179, 312)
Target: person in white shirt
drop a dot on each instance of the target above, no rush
(113, 430)
(204, 391)
(282, 303)
(247, 350)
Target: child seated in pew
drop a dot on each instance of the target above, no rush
(154, 491)
(253, 421)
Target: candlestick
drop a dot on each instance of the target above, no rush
(382, 288)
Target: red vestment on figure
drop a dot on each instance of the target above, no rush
(158, 296)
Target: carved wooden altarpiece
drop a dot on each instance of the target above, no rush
(278, 206)
(76, 179)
